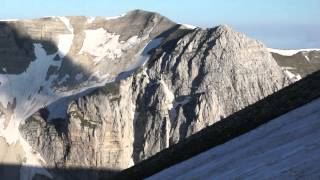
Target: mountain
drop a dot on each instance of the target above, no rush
(106, 93)
(297, 63)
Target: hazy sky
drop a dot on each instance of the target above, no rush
(278, 23)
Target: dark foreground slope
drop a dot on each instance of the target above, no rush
(279, 103)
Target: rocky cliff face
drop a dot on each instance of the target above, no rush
(192, 79)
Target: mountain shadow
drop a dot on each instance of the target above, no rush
(14, 171)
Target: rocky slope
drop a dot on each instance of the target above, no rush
(192, 79)
(297, 64)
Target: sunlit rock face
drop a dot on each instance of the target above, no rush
(106, 93)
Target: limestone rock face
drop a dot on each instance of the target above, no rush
(194, 78)
(44, 134)
(207, 75)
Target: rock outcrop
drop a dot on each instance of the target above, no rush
(192, 79)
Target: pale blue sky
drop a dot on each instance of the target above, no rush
(278, 23)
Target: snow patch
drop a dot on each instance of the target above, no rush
(8, 20)
(104, 45)
(288, 68)
(11, 132)
(67, 23)
(101, 44)
(65, 43)
(307, 58)
(292, 76)
(115, 17)
(290, 52)
(144, 56)
(188, 26)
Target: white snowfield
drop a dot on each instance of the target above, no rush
(29, 100)
(24, 89)
(291, 76)
(8, 20)
(291, 52)
(67, 23)
(188, 26)
(288, 147)
(102, 44)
